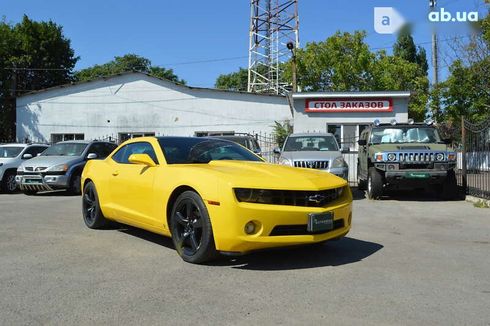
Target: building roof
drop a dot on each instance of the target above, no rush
(145, 74)
(392, 94)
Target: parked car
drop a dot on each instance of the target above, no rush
(212, 195)
(60, 166)
(318, 151)
(247, 141)
(11, 157)
(405, 156)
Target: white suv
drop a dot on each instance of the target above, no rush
(11, 156)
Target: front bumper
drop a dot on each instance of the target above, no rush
(276, 225)
(38, 182)
(415, 177)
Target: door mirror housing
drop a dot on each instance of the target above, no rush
(345, 150)
(26, 156)
(277, 150)
(141, 159)
(362, 142)
(91, 156)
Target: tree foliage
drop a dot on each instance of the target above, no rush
(466, 92)
(33, 55)
(344, 62)
(405, 48)
(128, 62)
(235, 81)
(282, 131)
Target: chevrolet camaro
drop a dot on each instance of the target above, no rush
(213, 196)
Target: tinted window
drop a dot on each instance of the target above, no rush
(180, 150)
(123, 154)
(34, 150)
(311, 143)
(101, 149)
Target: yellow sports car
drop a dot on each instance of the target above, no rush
(213, 196)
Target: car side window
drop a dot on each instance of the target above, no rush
(123, 154)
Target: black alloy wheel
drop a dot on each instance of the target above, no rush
(92, 215)
(9, 184)
(192, 234)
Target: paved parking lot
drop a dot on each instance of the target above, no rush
(406, 261)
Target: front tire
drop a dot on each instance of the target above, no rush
(374, 184)
(450, 186)
(92, 214)
(191, 229)
(8, 182)
(361, 183)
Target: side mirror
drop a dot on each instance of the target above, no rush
(277, 150)
(26, 156)
(91, 156)
(362, 142)
(345, 150)
(142, 159)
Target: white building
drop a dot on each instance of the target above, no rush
(133, 104)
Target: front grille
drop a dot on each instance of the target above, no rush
(417, 157)
(29, 168)
(301, 229)
(288, 197)
(311, 164)
(41, 168)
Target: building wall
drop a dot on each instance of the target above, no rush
(139, 103)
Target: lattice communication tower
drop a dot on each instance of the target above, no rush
(273, 24)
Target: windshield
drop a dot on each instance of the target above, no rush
(9, 151)
(239, 140)
(202, 150)
(65, 149)
(412, 134)
(311, 143)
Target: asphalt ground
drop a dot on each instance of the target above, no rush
(407, 261)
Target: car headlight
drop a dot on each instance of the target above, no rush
(285, 161)
(338, 162)
(59, 168)
(391, 157)
(439, 157)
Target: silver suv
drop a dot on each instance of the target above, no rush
(315, 151)
(60, 166)
(11, 156)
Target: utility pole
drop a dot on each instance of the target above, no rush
(435, 55)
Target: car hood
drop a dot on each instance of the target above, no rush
(49, 161)
(311, 155)
(409, 147)
(272, 176)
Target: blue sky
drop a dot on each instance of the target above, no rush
(176, 34)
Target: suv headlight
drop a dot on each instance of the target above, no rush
(439, 157)
(391, 157)
(338, 162)
(59, 168)
(285, 161)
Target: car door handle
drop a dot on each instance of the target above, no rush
(115, 173)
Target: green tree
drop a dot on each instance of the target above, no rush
(281, 132)
(235, 81)
(405, 48)
(128, 62)
(33, 55)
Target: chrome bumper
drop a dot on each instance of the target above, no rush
(40, 183)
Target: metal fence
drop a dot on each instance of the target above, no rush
(475, 157)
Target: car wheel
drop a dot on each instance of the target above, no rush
(361, 184)
(75, 184)
(92, 215)
(450, 186)
(374, 184)
(191, 229)
(8, 183)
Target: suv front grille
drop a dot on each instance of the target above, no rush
(417, 157)
(311, 164)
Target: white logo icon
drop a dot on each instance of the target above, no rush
(387, 20)
(445, 16)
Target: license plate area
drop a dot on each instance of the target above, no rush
(417, 175)
(320, 222)
(31, 180)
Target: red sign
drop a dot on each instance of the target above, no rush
(349, 105)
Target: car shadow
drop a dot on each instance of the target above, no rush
(54, 193)
(333, 253)
(420, 195)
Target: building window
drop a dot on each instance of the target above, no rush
(62, 137)
(123, 136)
(349, 137)
(213, 133)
